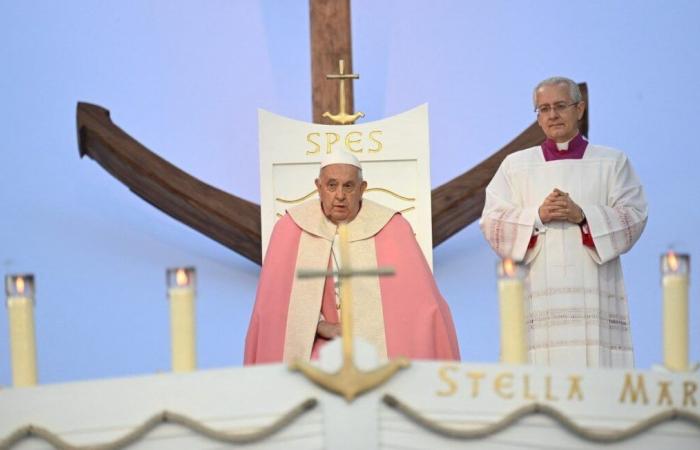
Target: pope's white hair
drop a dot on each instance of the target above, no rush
(359, 172)
(574, 91)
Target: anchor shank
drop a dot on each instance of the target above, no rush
(342, 97)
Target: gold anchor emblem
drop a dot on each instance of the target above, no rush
(349, 381)
(342, 117)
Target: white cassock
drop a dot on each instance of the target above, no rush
(577, 307)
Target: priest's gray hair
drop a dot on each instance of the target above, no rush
(574, 91)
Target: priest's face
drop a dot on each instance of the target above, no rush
(558, 114)
(340, 187)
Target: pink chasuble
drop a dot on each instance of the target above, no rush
(417, 320)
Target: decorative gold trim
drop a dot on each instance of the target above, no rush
(390, 192)
(342, 117)
(373, 189)
(350, 381)
(33, 431)
(407, 210)
(296, 200)
(587, 433)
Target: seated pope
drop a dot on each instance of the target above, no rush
(400, 315)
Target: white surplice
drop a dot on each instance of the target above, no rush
(576, 307)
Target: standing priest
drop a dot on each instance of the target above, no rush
(568, 209)
(403, 315)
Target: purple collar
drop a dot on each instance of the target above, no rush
(577, 146)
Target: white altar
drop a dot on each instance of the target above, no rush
(428, 405)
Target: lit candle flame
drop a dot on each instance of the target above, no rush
(672, 261)
(181, 277)
(19, 285)
(509, 267)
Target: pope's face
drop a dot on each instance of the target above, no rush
(340, 189)
(560, 119)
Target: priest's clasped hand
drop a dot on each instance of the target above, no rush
(328, 330)
(559, 206)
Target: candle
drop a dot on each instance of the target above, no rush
(20, 311)
(181, 285)
(511, 294)
(675, 270)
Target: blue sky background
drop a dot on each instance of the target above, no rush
(186, 78)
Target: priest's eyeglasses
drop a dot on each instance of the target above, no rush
(348, 188)
(558, 108)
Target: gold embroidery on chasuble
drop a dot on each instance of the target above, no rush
(314, 253)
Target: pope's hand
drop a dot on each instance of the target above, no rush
(328, 330)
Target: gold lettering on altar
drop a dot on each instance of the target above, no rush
(475, 377)
(331, 138)
(503, 381)
(555, 388)
(353, 141)
(575, 387)
(634, 393)
(689, 389)
(526, 388)
(664, 393)
(451, 384)
(317, 146)
(376, 141)
(352, 138)
(548, 395)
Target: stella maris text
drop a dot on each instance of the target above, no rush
(353, 141)
(634, 388)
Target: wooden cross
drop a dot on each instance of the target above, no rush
(330, 42)
(235, 222)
